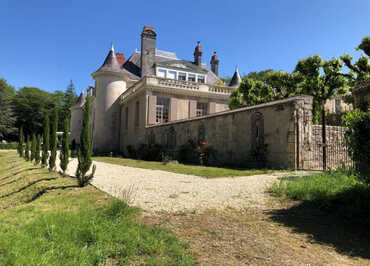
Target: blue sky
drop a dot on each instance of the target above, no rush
(47, 43)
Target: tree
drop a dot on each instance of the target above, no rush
(53, 141)
(85, 151)
(69, 99)
(33, 147)
(45, 140)
(20, 142)
(7, 116)
(27, 151)
(64, 153)
(323, 80)
(37, 154)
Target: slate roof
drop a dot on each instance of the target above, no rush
(80, 101)
(235, 80)
(110, 63)
(166, 59)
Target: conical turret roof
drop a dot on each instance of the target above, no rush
(235, 80)
(110, 63)
(80, 101)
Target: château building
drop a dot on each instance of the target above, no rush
(151, 87)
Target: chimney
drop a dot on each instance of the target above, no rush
(120, 58)
(198, 54)
(148, 43)
(214, 63)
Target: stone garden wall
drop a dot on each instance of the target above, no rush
(273, 132)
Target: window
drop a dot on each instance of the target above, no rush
(137, 114)
(126, 118)
(161, 114)
(201, 79)
(201, 109)
(182, 76)
(161, 73)
(191, 77)
(171, 74)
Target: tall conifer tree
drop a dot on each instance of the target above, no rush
(20, 143)
(85, 150)
(45, 140)
(27, 151)
(37, 154)
(64, 153)
(53, 141)
(33, 147)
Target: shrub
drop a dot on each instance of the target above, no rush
(37, 154)
(151, 152)
(357, 138)
(73, 148)
(196, 154)
(27, 150)
(33, 147)
(64, 153)
(131, 152)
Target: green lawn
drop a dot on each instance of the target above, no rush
(46, 219)
(197, 170)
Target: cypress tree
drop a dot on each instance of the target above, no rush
(33, 147)
(20, 143)
(45, 140)
(53, 141)
(64, 153)
(37, 154)
(27, 151)
(85, 150)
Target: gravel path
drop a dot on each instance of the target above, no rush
(155, 190)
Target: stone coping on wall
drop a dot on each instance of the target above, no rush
(306, 98)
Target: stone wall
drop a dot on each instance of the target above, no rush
(277, 129)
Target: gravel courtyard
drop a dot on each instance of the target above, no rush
(155, 190)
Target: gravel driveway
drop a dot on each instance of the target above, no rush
(155, 190)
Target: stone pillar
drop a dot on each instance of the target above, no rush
(152, 103)
(192, 108)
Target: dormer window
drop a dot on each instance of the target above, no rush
(191, 77)
(182, 76)
(201, 79)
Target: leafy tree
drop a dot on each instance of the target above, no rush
(85, 151)
(360, 70)
(37, 154)
(64, 153)
(45, 140)
(53, 141)
(323, 80)
(27, 151)
(68, 99)
(20, 142)
(7, 116)
(33, 147)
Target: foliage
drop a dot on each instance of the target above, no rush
(33, 147)
(321, 79)
(53, 141)
(357, 138)
(131, 152)
(337, 190)
(27, 150)
(85, 150)
(64, 153)
(67, 100)
(360, 70)
(193, 153)
(20, 143)
(38, 146)
(45, 141)
(7, 116)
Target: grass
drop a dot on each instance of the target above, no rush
(46, 219)
(339, 191)
(203, 171)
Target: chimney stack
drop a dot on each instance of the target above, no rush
(214, 63)
(148, 44)
(198, 54)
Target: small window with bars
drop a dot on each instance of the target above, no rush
(161, 114)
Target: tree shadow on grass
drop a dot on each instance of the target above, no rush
(18, 172)
(341, 221)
